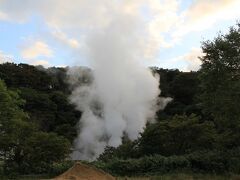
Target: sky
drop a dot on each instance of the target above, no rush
(52, 32)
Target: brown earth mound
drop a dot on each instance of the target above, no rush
(83, 172)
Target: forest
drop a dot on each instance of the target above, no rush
(198, 131)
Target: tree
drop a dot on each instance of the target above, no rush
(45, 92)
(11, 119)
(52, 112)
(24, 75)
(14, 125)
(220, 81)
(128, 149)
(184, 87)
(40, 108)
(23, 147)
(42, 150)
(179, 135)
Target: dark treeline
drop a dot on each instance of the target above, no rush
(199, 130)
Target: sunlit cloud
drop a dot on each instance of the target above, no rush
(203, 14)
(190, 59)
(36, 49)
(44, 63)
(63, 38)
(81, 15)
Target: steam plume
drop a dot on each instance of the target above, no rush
(120, 94)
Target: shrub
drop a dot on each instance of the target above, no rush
(59, 168)
(145, 165)
(201, 162)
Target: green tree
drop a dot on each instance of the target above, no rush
(128, 149)
(179, 135)
(45, 92)
(23, 148)
(220, 83)
(12, 119)
(184, 87)
(24, 75)
(14, 125)
(42, 150)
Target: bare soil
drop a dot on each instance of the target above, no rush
(84, 172)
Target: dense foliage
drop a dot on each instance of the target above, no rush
(202, 162)
(220, 85)
(38, 124)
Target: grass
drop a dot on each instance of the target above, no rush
(33, 177)
(160, 177)
(184, 177)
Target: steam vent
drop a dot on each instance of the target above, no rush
(81, 171)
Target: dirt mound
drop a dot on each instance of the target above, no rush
(83, 172)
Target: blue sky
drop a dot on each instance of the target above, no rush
(51, 33)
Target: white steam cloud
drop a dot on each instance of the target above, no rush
(120, 94)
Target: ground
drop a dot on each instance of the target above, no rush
(160, 177)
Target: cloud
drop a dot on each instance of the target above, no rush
(61, 66)
(201, 9)
(5, 57)
(190, 60)
(63, 38)
(88, 15)
(44, 63)
(76, 13)
(163, 23)
(3, 16)
(162, 18)
(36, 49)
(203, 14)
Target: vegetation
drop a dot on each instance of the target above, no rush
(197, 132)
(37, 121)
(219, 162)
(23, 147)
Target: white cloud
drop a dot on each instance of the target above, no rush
(73, 13)
(201, 9)
(63, 38)
(3, 16)
(5, 57)
(203, 14)
(86, 15)
(61, 66)
(44, 63)
(161, 20)
(190, 60)
(36, 49)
